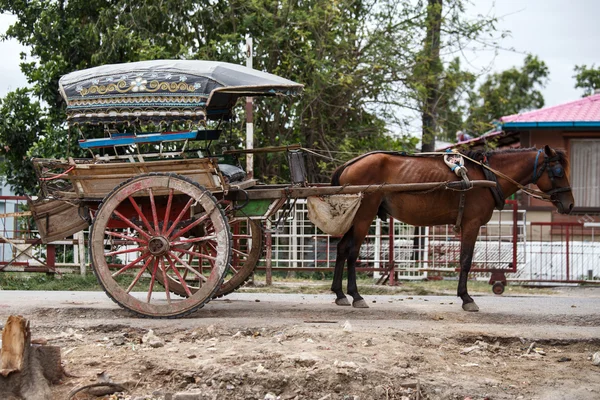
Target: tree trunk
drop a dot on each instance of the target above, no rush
(26, 370)
(433, 70)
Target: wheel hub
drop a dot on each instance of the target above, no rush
(158, 246)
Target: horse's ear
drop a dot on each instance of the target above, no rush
(549, 151)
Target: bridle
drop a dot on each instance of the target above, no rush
(556, 171)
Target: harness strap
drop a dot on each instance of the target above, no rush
(461, 209)
(497, 192)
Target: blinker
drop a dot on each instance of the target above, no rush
(558, 171)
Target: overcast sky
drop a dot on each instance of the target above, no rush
(562, 33)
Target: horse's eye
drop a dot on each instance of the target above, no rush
(558, 170)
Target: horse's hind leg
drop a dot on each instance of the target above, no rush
(467, 246)
(343, 248)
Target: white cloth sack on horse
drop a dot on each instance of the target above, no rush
(333, 214)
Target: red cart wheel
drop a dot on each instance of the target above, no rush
(247, 249)
(140, 232)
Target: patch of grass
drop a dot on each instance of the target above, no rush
(296, 284)
(38, 281)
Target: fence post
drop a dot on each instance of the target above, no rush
(567, 237)
(79, 236)
(269, 254)
(51, 257)
(391, 264)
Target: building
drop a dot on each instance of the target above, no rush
(573, 126)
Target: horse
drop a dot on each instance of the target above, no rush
(513, 169)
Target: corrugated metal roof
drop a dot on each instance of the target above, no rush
(582, 112)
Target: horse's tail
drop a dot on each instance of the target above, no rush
(335, 178)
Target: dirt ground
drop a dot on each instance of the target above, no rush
(265, 346)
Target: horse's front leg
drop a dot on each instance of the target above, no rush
(357, 300)
(342, 254)
(360, 230)
(467, 246)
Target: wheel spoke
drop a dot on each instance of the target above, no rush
(165, 280)
(114, 253)
(141, 214)
(194, 240)
(139, 274)
(131, 224)
(241, 253)
(180, 261)
(153, 207)
(122, 236)
(183, 284)
(190, 226)
(205, 256)
(179, 217)
(167, 211)
(152, 280)
(131, 264)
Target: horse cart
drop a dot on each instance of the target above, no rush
(171, 225)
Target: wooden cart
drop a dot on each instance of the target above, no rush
(170, 226)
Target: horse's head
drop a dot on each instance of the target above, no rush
(550, 174)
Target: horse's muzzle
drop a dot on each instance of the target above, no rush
(562, 209)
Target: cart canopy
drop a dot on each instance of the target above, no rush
(164, 91)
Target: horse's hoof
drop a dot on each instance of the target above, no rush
(342, 302)
(470, 306)
(360, 304)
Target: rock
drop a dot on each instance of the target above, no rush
(270, 396)
(345, 364)
(152, 340)
(564, 359)
(347, 327)
(368, 343)
(467, 350)
(435, 341)
(211, 330)
(481, 344)
(119, 341)
(596, 359)
(260, 369)
(195, 395)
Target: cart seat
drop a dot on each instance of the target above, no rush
(129, 139)
(232, 173)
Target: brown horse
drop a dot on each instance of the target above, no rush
(547, 168)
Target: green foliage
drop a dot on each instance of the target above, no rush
(21, 119)
(361, 61)
(587, 78)
(509, 92)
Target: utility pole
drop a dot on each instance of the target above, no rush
(249, 116)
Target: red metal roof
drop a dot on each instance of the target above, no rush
(585, 109)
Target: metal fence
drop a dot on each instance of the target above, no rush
(536, 252)
(566, 252)
(416, 253)
(21, 249)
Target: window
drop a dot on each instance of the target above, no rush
(585, 172)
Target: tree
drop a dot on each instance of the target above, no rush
(21, 119)
(327, 46)
(360, 61)
(587, 79)
(505, 93)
